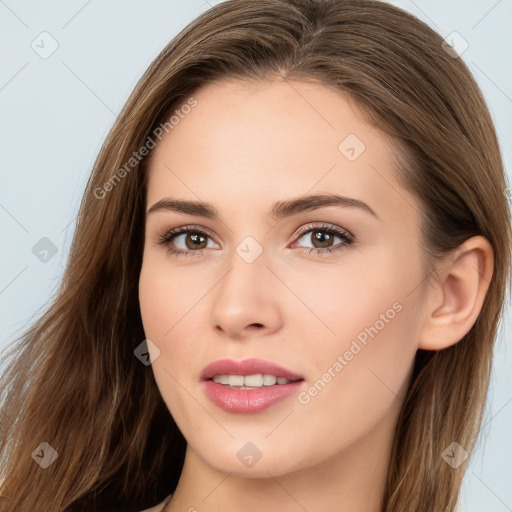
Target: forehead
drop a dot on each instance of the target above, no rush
(254, 143)
(298, 118)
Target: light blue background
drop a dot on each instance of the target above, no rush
(56, 112)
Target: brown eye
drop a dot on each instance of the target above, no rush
(185, 241)
(323, 239)
(195, 241)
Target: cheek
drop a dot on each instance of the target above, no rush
(163, 316)
(154, 302)
(366, 331)
(358, 378)
(167, 296)
(173, 315)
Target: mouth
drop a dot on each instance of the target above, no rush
(231, 371)
(254, 381)
(250, 385)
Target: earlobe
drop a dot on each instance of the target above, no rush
(456, 297)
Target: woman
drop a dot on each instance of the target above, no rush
(285, 282)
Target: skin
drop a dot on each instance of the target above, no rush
(244, 147)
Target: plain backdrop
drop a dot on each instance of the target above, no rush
(57, 109)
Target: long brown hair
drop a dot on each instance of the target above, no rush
(72, 379)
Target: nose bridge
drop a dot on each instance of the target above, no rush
(245, 295)
(247, 273)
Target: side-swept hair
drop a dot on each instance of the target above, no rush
(72, 379)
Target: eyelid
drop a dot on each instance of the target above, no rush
(323, 226)
(345, 235)
(301, 231)
(185, 229)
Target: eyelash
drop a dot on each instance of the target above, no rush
(346, 237)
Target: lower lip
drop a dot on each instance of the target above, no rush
(249, 400)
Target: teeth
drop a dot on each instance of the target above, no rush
(221, 379)
(257, 380)
(269, 380)
(236, 380)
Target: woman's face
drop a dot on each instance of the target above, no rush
(330, 291)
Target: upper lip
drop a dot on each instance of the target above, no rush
(247, 367)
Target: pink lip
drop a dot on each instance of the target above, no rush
(246, 367)
(248, 400)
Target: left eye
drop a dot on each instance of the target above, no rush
(322, 238)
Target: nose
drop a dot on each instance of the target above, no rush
(246, 301)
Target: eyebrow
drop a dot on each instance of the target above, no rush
(279, 210)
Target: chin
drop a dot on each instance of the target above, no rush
(244, 460)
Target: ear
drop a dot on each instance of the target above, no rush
(456, 294)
